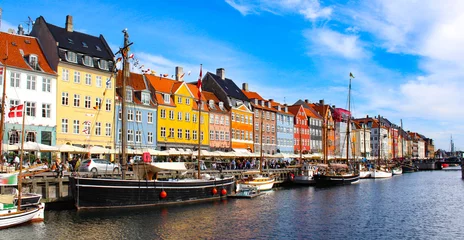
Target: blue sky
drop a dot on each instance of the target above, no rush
(407, 57)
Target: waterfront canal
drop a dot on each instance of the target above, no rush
(422, 205)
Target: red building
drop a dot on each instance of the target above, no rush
(301, 129)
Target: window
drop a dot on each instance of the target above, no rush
(130, 115)
(77, 100)
(179, 116)
(167, 98)
(267, 115)
(14, 103)
(211, 135)
(64, 125)
(119, 135)
(86, 128)
(246, 119)
(243, 135)
(211, 118)
(98, 128)
(179, 99)
(120, 114)
(98, 103)
(130, 135)
(30, 109)
(102, 64)
(138, 116)
(65, 73)
(30, 137)
(202, 119)
(129, 95)
(163, 113)
(77, 77)
(171, 114)
(233, 133)
(187, 101)
(46, 110)
(108, 130)
(217, 119)
(233, 117)
(150, 117)
(179, 133)
(76, 127)
(256, 126)
(108, 105)
(46, 85)
(187, 117)
(87, 101)
(256, 113)
(227, 121)
(138, 136)
(227, 136)
(30, 83)
(243, 119)
(71, 57)
(88, 79)
(222, 120)
(195, 134)
(87, 61)
(146, 98)
(272, 116)
(187, 134)
(14, 79)
(201, 136)
(163, 132)
(98, 81)
(194, 118)
(150, 137)
(217, 135)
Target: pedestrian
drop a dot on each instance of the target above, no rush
(58, 168)
(16, 162)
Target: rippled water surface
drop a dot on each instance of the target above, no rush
(422, 205)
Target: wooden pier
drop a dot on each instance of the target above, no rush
(55, 189)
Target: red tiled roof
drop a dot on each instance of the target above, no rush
(210, 96)
(13, 43)
(252, 95)
(160, 84)
(282, 108)
(294, 109)
(135, 81)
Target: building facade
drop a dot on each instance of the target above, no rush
(219, 123)
(284, 128)
(301, 134)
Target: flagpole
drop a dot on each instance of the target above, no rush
(21, 159)
(2, 122)
(199, 121)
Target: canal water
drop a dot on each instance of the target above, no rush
(422, 205)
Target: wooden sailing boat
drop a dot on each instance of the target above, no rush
(255, 180)
(339, 174)
(144, 190)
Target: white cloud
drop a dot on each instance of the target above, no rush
(328, 42)
(309, 9)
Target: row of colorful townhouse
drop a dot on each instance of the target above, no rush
(65, 80)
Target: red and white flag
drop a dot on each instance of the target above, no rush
(199, 83)
(16, 111)
(1, 71)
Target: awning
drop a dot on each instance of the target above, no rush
(242, 152)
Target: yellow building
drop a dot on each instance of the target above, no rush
(85, 91)
(178, 114)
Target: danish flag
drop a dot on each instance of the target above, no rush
(1, 70)
(16, 111)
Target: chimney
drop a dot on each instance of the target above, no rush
(179, 74)
(269, 104)
(20, 30)
(222, 73)
(367, 116)
(306, 101)
(321, 102)
(271, 100)
(244, 87)
(69, 23)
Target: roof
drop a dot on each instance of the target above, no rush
(282, 108)
(294, 109)
(252, 95)
(229, 87)
(75, 41)
(28, 45)
(310, 112)
(210, 96)
(135, 81)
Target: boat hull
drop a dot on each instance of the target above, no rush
(397, 171)
(304, 180)
(408, 168)
(117, 193)
(16, 218)
(365, 174)
(337, 180)
(260, 186)
(381, 174)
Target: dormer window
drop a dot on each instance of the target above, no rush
(71, 57)
(279, 108)
(70, 41)
(167, 98)
(129, 95)
(211, 104)
(146, 98)
(221, 106)
(98, 48)
(33, 61)
(87, 61)
(85, 45)
(103, 64)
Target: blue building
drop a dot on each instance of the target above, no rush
(141, 113)
(284, 126)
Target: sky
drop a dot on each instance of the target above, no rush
(407, 56)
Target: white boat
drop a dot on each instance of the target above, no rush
(365, 174)
(381, 174)
(260, 182)
(397, 171)
(10, 215)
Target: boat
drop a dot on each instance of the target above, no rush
(379, 171)
(249, 192)
(338, 174)
(255, 180)
(306, 176)
(397, 170)
(147, 189)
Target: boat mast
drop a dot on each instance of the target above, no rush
(301, 153)
(261, 142)
(364, 128)
(21, 160)
(2, 121)
(199, 122)
(402, 139)
(378, 157)
(348, 123)
(324, 134)
(125, 76)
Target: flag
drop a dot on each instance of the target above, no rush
(86, 131)
(86, 122)
(131, 56)
(16, 111)
(181, 76)
(189, 73)
(1, 70)
(351, 75)
(199, 83)
(165, 75)
(108, 82)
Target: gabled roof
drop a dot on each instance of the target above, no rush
(295, 109)
(135, 81)
(310, 112)
(75, 41)
(210, 96)
(229, 87)
(160, 84)
(13, 44)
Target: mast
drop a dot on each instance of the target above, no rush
(2, 121)
(125, 76)
(364, 128)
(378, 157)
(261, 142)
(402, 139)
(199, 121)
(325, 134)
(301, 153)
(348, 123)
(21, 160)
